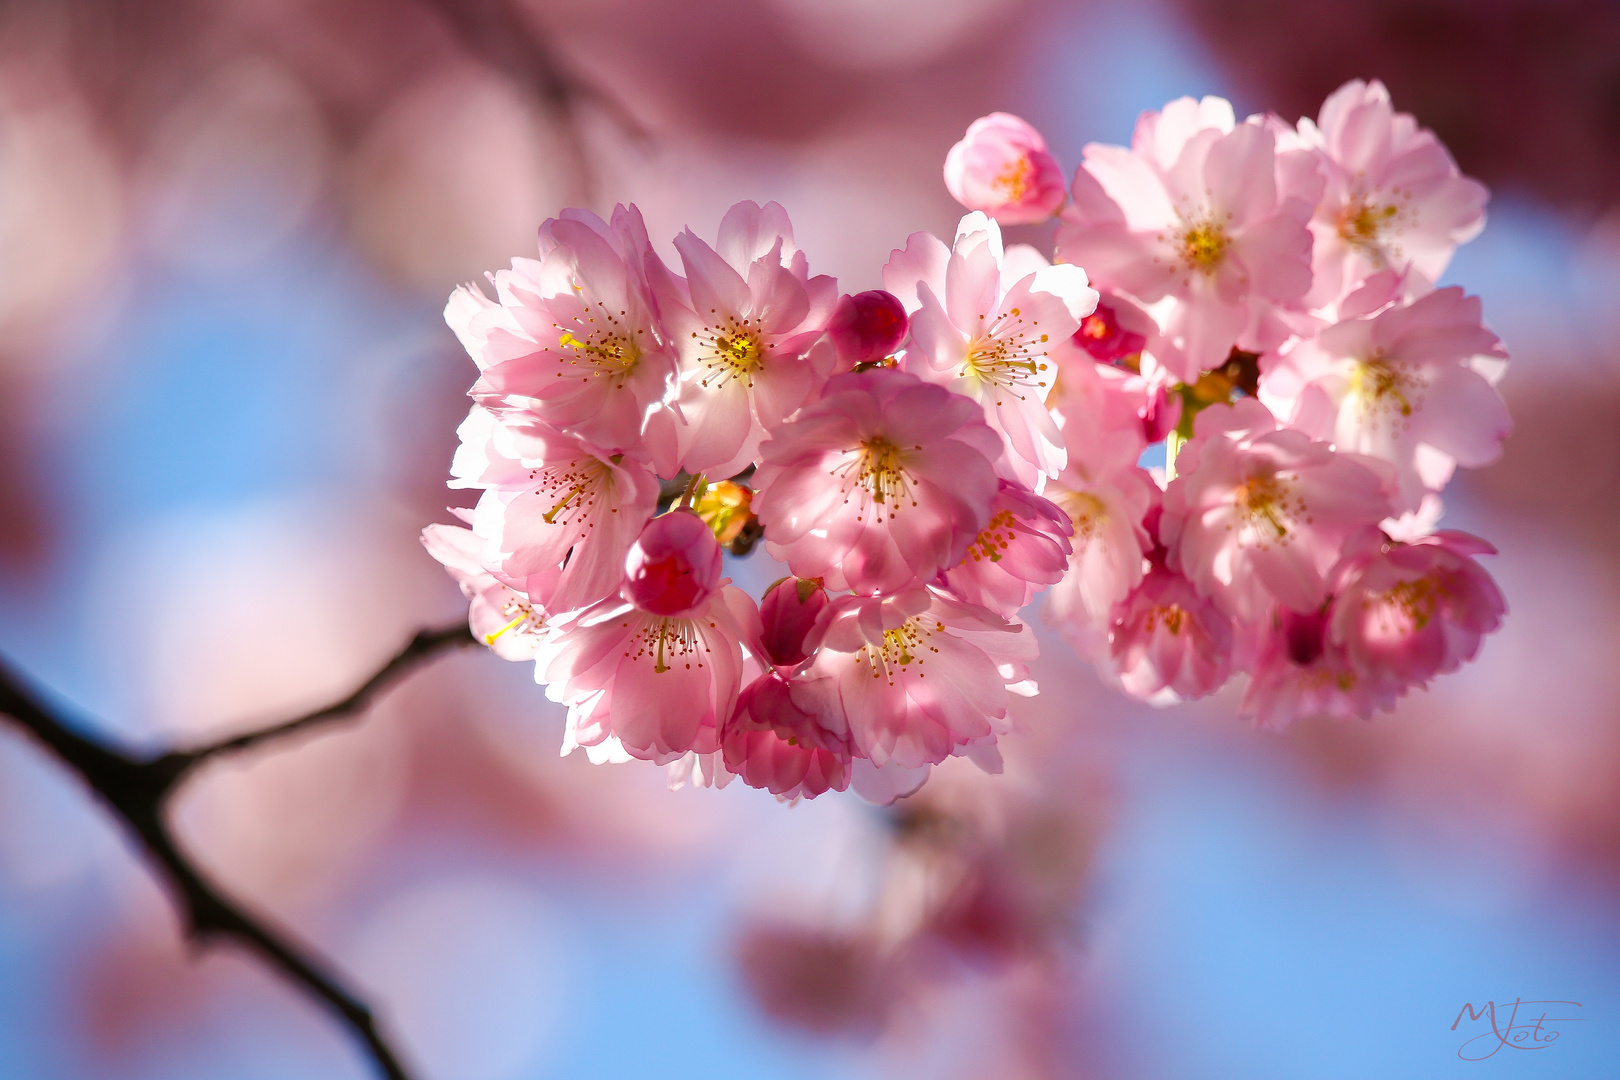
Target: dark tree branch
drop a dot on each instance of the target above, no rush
(139, 789)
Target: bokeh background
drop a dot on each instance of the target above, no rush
(227, 403)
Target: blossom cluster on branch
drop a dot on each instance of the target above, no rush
(1257, 297)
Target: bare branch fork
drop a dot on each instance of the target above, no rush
(139, 789)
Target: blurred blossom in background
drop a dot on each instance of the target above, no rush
(227, 406)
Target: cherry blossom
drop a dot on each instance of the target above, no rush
(1394, 197)
(1203, 212)
(744, 323)
(922, 676)
(794, 614)
(574, 338)
(1106, 496)
(1025, 547)
(1259, 513)
(882, 482)
(1002, 167)
(1299, 673)
(657, 686)
(984, 328)
(1253, 300)
(557, 515)
(499, 616)
(789, 737)
(1411, 611)
(1168, 642)
(1412, 385)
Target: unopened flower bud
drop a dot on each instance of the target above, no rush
(1002, 167)
(867, 327)
(791, 612)
(673, 566)
(1107, 341)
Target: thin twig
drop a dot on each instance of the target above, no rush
(425, 645)
(139, 789)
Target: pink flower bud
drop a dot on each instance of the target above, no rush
(1002, 167)
(791, 612)
(867, 326)
(1103, 336)
(673, 566)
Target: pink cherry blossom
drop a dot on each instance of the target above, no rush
(789, 737)
(984, 329)
(1412, 611)
(922, 676)
(1168, 642)
(673, 566)
(1002, 167)
(1299, 673)
(882, 482)
(574, 338)
(1025, 547)
(557, 515)
(1258, 513)
(500, 616)
(1107, 496)
(744, 322)
(1201, 210)
(657, 686)
(1394, 197)
(794, 613)
(1411, 385)
(867, 327)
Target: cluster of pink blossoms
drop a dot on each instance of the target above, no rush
(925, 458)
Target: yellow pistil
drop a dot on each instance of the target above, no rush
(1014, 179)
(1170, 615)
(1203, 246)
(601, 341)
(1266, 504)
(1009, 356)
(1377, 382)
(882, 472)
(730, 348)
(669, 642)
(902, 647)
(996, 538)
(1416, 600)
(525, 618)
(1361, 221)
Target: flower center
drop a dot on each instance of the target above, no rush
(1362, 221)
(1014, 179)
(574, 487)
(901, 648)
(1413, 602)
(525, 620)
(1382, 385)
(1009, 355)
(1087, 512)
(601, 342)
(668, 642)
(996, 538)
(1169, 616)
(1203, 246)
(1268, 506)
(879, 470)
(733, 350)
